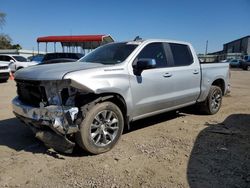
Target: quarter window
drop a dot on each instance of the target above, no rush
(182, 55)
(154, 51)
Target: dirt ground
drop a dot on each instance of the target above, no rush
(170, 150)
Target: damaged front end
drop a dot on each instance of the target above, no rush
(49, 108)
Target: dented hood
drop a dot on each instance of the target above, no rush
(53, 71)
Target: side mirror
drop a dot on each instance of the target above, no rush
(12, 61)
(143, 64)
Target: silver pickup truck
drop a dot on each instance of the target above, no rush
(90, 101)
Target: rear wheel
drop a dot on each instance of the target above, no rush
(213, 102)
(101, 128)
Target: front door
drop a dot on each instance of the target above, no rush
(152, 90)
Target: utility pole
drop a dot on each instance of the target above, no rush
(206, 47)
(205, 55)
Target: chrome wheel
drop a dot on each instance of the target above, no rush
(104, 128)
(216, 100)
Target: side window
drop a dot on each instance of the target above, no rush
(7, 58)
(182, 55)
(154, 51)
(1, 58)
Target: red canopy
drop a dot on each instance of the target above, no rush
(75, 38)
(84, 41)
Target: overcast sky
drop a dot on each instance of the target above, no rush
(195, 21)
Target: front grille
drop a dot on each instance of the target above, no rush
(30, 92)
(4, 68)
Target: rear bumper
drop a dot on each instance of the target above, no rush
(228, 89)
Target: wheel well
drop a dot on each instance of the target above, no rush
(19, 68)
(220, 83)
(116, 99)
(92, 99)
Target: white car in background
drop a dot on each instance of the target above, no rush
(4, 71)
(16, 62)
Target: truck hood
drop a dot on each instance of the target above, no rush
(53, 71)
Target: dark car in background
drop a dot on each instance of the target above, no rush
(37, 58)
(235, 63)
(246, 65)
(60, 57)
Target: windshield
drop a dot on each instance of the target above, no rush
(37, 58)
(20, 58)
(110, 54)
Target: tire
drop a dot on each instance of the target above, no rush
(213, 102)
(3, 81)
(101, 128)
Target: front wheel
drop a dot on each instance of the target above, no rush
(101, 128)
(213, 102)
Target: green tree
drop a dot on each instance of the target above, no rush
(5, 40)
(2, 19)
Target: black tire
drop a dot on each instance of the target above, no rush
(98, 134)
(3, 81)
(213, 102)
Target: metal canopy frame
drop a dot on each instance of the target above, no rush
(86, 42)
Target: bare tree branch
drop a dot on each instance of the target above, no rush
(2, 19)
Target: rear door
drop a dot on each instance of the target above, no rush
(185, 73)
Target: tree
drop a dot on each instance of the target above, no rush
(2, 19)
(5, 40)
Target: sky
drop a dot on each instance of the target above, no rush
(194, 21)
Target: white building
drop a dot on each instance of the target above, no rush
(24, 53)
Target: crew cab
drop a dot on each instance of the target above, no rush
(91, 101)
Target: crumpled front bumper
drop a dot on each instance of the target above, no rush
(57, 118)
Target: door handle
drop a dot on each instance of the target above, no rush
(195, 72)
(166, 75)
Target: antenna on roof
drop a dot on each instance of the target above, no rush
(137, 38)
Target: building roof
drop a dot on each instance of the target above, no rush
(248, 36)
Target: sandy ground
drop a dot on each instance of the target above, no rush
(169, 150)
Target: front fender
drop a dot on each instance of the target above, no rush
(102, 82)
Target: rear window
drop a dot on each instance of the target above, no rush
(5, 58)
(181, 54)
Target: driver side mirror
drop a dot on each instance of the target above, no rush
(143, 64)
(12, 61)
